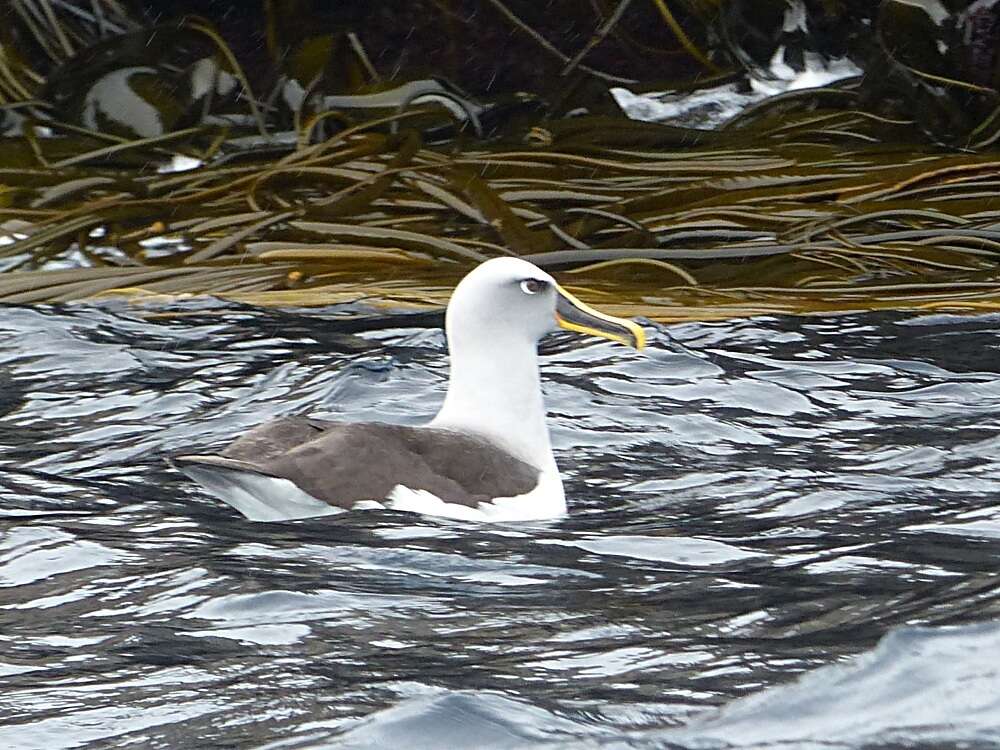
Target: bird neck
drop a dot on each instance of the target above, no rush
(494, 391)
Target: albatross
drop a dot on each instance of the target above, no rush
(486, 456)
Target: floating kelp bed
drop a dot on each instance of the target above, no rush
(341, 185)
(744, 221)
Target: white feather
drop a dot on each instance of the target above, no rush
(258, 497)
(545, 501)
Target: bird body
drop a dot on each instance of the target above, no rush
(485, 456)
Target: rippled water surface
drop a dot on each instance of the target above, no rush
(783, 533)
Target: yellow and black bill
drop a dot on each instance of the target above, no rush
(574, 315)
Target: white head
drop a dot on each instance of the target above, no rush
(495, 318)
(507, 298)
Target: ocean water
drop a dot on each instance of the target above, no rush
(783, 533)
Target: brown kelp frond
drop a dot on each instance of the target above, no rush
(764, 229)
(326, 182)
(682, 37)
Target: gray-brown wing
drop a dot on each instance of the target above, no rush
(271, 439)
(349, 462)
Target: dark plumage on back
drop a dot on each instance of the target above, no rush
(342, 463)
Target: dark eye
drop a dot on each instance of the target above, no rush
(533, 286)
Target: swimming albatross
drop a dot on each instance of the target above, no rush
(485, 456)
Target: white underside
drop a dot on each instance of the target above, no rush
(258, 497)
(545, 501)
(262, 498)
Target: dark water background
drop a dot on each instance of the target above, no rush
(750, 501)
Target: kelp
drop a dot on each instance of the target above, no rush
(788, 225)
(806, 203)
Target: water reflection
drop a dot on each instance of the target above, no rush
(753, 500)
